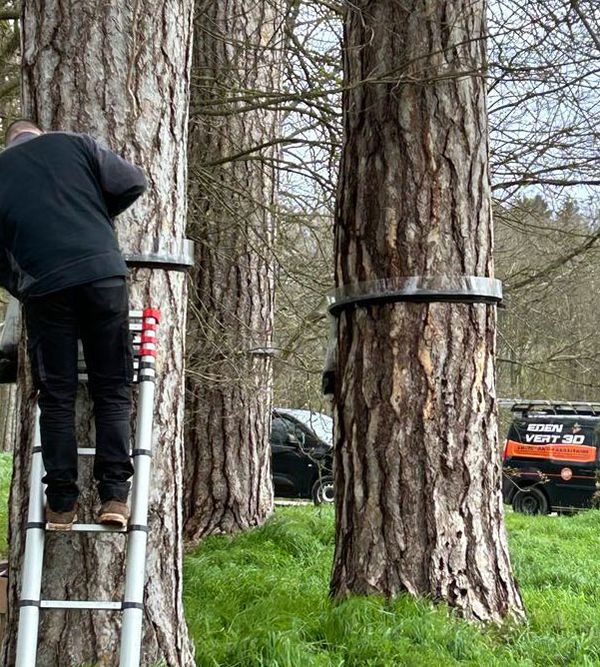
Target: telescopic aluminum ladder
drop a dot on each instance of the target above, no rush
(143, 325)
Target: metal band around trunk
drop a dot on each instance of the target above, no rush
(179, 258)
(417, 289)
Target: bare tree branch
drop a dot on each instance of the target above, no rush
(587, 25)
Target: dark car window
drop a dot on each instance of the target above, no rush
(306, 438)
(287, 433)
(279, 431)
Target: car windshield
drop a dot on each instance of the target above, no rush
(321, 425)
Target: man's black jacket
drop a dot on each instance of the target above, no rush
(58, 194)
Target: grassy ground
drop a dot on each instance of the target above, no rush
(260, 600)
(5, 474)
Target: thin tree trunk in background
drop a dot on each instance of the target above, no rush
(8, 399)
(9, 66)
(417, 466)
(119, 71)
(8, 417)
(238, 49)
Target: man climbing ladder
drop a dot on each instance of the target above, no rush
(144, 324)
(59, 255)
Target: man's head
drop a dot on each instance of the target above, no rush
(18, 127)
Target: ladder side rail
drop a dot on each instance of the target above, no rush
(135, 573)
(31, 580)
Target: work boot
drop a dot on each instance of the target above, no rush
(114, 512)
(60, 520)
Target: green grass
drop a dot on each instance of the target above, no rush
(261, 599)
(5, 475)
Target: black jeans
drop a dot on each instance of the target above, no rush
(97, 313)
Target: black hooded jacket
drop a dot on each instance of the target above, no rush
(58, 194)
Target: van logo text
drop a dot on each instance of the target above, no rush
(545, 428)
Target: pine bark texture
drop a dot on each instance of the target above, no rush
(416, 459)
(232, 199)
(119, 71)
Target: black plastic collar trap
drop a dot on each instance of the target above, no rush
(417, 289)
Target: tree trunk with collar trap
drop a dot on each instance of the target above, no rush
(416, 458)
(119, 73)
(233, 201)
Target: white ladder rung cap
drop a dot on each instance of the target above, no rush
(90, 528)
(81, 604)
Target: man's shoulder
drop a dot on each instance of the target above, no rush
(61, 137)
(61, 143)
(71, 137)
(67, 133)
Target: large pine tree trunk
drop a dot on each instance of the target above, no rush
(232, 197)
(417, 462)
(119, 71)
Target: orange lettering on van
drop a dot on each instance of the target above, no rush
(556, 452)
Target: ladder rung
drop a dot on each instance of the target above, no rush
(91, 451)
(81, 604)
(90, 528)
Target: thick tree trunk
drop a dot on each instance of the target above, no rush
(119, 71)
(232, 197)
(417, 463)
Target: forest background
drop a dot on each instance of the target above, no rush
(544, 119)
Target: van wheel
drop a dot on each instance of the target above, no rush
(530, 501)
(323, 492)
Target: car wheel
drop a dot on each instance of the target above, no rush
(323, 491)
(530, 501)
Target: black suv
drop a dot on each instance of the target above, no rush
(302, 454)
(550, 460)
